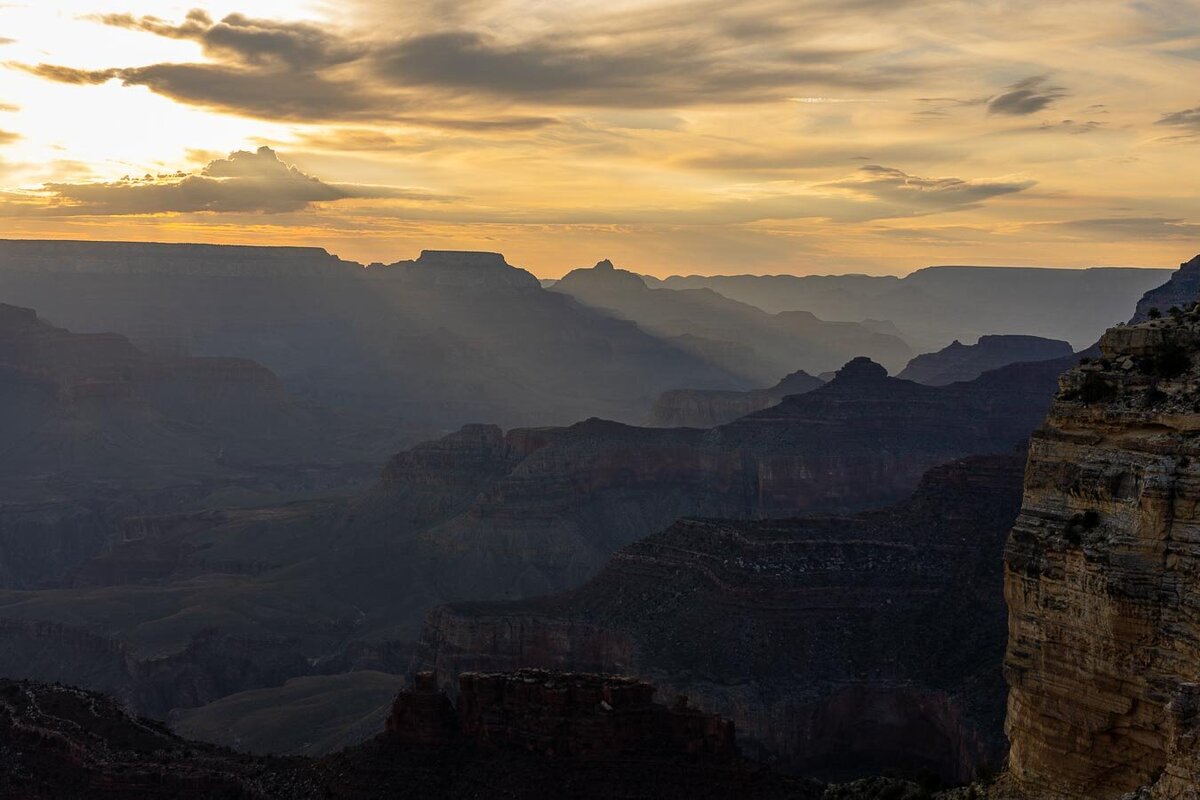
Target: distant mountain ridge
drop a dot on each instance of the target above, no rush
(936, 305)
(741, 338)
(405, 350)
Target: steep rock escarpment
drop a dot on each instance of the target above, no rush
(1180, 291)
(1102, 572)
(843, 645)
(960, 362)
(708, 408)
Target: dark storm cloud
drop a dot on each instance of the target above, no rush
(1026, 97)
(243, 182)
(893, 186)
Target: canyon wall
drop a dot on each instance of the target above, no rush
(1102, 571)
(842, 646)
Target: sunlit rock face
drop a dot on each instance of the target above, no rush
(1102, 573)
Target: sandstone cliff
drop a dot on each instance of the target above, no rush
(1101, 574)
(844, 646)
(708, 408)
(960, 362)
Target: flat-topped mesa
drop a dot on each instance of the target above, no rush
(152, 258)
(580, 715)
(1180, 291)
(961, 362)
(1102, 571)
(463, 269)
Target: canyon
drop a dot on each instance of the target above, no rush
(839, 646)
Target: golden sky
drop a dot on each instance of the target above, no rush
(672, 136)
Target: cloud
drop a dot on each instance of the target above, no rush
(1187, 120)
(1026, 97)
(259, 68)
(651, 57)
(1116, 229)
(7, 137)
(659, 72)
(245, 182)
(925, 195)
(5, 40)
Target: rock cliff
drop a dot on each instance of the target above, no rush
(844, 646)
(708, 408)
(1180, 291)
(960, 362)
(1101, 574)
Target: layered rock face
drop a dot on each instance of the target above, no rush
(960, 362)
(874, 642)
(1180, 291)
(700, 408)
(1101, 573)
(570, 497)
(743, 339)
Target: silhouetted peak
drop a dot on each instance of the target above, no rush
(15, 318)
(861, 369)
(605, 264)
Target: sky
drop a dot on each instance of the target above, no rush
(671, 136)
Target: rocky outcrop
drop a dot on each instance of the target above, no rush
(1101, 573)
(700, 408)
(1180, 291)
(61, 743)
(960, 362)
(743, 339)
(576, 715)
(874, 642)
